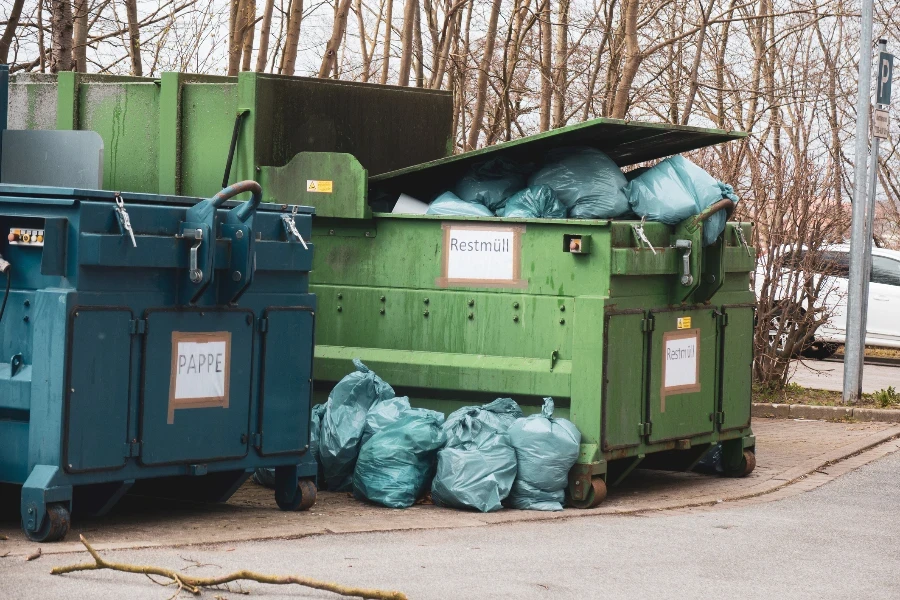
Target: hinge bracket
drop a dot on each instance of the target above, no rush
(263, 325)
(256, 440)
(138, 326)
(720, 418)
(132, 449)
(722, 318)
(648, 324)
(645, 428)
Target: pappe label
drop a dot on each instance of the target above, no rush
(200, 370)
(481, 256)
(681, 363)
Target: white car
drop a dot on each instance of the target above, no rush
(883, 316)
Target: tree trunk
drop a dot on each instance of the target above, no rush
(481, 86)
(235, 36)
(406, 41)
(134, 39)
(561, 75)
(265, 30)
(42, 55)
(633, 58)
(419, 50)
(249, 33)
(79, 42)
(363, 49)
(695, 66)
(386, 55)
(289, 57)
(61, 35)
(10, 30)
(329, 60)
(546, 65)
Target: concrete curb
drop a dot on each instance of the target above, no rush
(823, 413)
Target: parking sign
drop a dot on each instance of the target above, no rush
(884, 77)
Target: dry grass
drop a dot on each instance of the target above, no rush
(797, 394)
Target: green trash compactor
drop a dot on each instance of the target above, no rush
(641, 334)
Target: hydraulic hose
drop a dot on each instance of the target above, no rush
(6, 269)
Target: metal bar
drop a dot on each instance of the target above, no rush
(856, 303)
(869, 235)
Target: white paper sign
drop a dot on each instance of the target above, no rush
(681, 356)
(481, 254)
(881, 124)
(200, 369)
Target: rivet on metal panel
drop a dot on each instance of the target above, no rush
(76, 314)
(27, 303)
(515, 305)
(562, 321)
(425, 314)
(26, 319)
(516, 319)
(382, 298)
(340, 296)
(471, 302)
(562, 308)
(71, 390)
(426, 300)
(340, 308)
(367, 234)
(331, 232)
(236, 276)
(239, 234)
(381, 311)
(471, 316)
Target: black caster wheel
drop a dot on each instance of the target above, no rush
(55, 526)
(303, 499)
(596, 495)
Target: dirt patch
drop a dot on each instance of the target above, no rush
(797, 394)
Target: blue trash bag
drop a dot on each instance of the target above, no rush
(546, 449)
(586, 181)
(343, 423)
(478, 466)
(397, 463)
(537, 202)
(383, 414)
(677, 189)
(266, 477)
(660, 194)
(449, 204)
(491, 183)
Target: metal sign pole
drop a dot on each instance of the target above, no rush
(856, 303)
(883, 77)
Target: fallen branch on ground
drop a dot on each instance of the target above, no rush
(194, 584)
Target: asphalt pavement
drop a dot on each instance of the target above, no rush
(837, 541)
(829, 375)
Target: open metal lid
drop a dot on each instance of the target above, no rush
(626, 142)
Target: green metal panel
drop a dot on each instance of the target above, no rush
(126, 116)
(208, 112)
(285, 375)
(683, 414)
(202, 434)
(623, 386)
(99, 378)
(333, 183)
(737, 366)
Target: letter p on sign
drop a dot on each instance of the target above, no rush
(885, 75)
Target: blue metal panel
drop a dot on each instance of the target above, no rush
(195, 435)
(99, 377)
(286, 380)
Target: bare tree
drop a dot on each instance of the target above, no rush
(80, 33)
(483, 74)
(265, 29)
(61, 32)
(329, 60)
(406, 41)
(10, 30)
(289, 57)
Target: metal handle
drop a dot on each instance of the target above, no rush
(686, 278)
(242, 212)
(196, 273)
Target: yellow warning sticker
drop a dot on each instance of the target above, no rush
(684, 322)
(318, 185)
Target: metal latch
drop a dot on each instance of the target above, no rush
(290, 227)
(124, 219)
(739, 232)
(686, 278)
(196, 272)
(645, 428)
(641, 237)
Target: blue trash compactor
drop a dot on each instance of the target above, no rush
(179, 360)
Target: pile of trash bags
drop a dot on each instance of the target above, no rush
(374, 444)
(581, 182)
